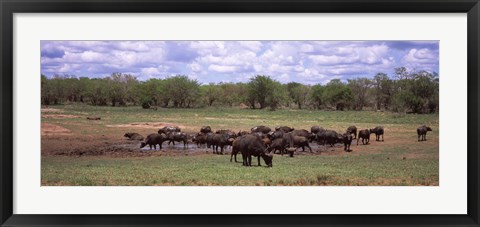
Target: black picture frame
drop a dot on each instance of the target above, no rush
(10, 7)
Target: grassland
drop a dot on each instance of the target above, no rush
(399, 160)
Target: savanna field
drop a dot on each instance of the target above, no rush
(81, 152)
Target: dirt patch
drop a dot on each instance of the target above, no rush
(51, 129)
(49, 110)
(146, 125)
(60, 116)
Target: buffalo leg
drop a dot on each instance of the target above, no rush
(258, 158)
(358, 140)
(249, 161)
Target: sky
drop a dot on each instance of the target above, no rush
(307, 62)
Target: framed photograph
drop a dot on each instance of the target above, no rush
(239, 113)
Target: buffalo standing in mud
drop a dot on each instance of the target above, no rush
(200, 139)
(219, 140)
(422, 132)
(364, 135)
(252, 145)
(347, 141)
(178, 137)
(154, 139)
(133, 136)
(352, 130)
(378, 132)
(331, 138)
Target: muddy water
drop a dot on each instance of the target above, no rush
(192, 148)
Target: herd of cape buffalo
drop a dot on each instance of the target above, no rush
(262, 141)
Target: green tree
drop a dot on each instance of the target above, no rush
(360, 88)
(298, 93)
(259, 88)
(316, 95)
(338, 94)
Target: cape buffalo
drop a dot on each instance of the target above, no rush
(152, 140)
(133, 136)
(316, 129)
(219, 140)
(262, 129)
(242, 133)
(304, 133)
(347, 141)
(179, 137)
(168, 129)
(284, 129)
(235, 148)
(253, 145)
(206, 129)
(278, 144)
(331, 137)
(352, 130)
(378, 132)
(200, 139)
(364, 135)
(209, 139)
(229, 133)
(422, 132)
(300, 141)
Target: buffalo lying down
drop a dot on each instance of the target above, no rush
(133, 136)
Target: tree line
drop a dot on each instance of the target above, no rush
(406, 92)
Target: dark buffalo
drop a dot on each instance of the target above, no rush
(286, 143)
(205, 129)
(168, 129)
(262, 129)
(219, 140)
(304, 133)
(422, 132)
(178, 137)
(278, 144)
(242, 133)
(352, 130)
(235, 148)
(319, 136)
(378, 132)
(275, 134)
(364, 135)
(229, 133)
(253, 145)
(154, 139)
(200, 139)
(331, 138)
(316, 129)
(133, 136)
(209, 139)
(347, 141)
(300, 141)
(284, 129)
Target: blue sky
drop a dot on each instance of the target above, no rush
(308, 62)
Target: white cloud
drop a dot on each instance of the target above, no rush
(222, 68)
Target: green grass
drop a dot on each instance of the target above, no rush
(400, 160)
